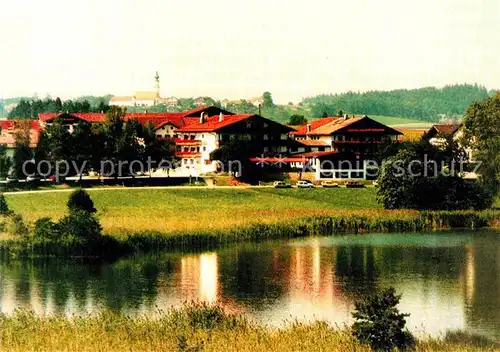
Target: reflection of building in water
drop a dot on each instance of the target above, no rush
(208, 277)
(468, 278)
(199, 277)
(313, 289)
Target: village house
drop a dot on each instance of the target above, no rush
(9, 129)
(341, 147)
(196, 132)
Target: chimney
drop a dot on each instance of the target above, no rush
(309, 127)
(346, 117)
(202, 117)
(221, 117)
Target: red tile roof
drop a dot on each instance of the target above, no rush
(213, 123)
(302, 129)
(10, 127)
(446, 130)
(325, 126)
(90, 116)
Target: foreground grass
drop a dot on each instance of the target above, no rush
(194, 327)
(166, 211)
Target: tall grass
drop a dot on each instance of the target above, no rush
(325, 225)
(194, 327)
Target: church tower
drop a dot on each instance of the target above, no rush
(157, 84)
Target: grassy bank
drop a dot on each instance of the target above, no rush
(191, 328)
(184, 210)
(158, 220)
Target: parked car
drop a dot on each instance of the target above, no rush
(329, 184)
(375, 183)
(354, 184)
(32, 178)
(305, 184)
(11, 179)
(281, 184)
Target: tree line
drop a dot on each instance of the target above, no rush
(426, 104)
(116, 148)
(30, 108)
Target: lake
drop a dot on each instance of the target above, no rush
(448, 280)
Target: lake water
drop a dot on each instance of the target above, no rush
(448, 281)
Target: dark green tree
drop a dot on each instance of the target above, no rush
(5, 162)
(79, 200)
(482, 135)
(296, 120)
(380, 324)
(23, 154)
(267, 100)
(4, 207)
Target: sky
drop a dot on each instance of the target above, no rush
(239, 49)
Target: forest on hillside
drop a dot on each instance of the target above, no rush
(426, 104)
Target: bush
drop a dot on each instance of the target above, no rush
(4, 208)
(81, 225)
(80, 200)
(46, 229)
(17, 227)
(380, 324)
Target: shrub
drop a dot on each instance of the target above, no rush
(81, 225)
(4, 208)
(17, 227)
(380, 324)
(80, 200)
(46, 229)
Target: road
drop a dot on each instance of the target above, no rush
(136, 188)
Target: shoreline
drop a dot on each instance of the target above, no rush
(113, 247)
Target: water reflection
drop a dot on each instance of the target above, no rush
(448, 281)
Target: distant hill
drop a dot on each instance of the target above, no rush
(396, 107)
(425, 104)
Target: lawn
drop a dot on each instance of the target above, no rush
(169, 210)
(393, 120)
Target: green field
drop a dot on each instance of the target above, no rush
(393, 120)
(169, 210)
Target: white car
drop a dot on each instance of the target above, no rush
(305, 184)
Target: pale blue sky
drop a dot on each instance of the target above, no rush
(233, 49)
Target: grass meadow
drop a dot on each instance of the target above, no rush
(194, 327)
(183, 210)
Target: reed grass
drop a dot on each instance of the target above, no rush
(193, 327)
(158, 220)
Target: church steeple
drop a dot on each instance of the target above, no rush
(157, 84)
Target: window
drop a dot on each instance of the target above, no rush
(186, 136)
(191, 161)
(202, 136)
(284, 136)
(249, 124)
(266, 125)
(204, 149)
(266, 149)
(283, 149)
(266, 137)
(208, 162)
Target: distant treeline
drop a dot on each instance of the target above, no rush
(30, 108)
(425, 104)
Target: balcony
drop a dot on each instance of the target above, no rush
(188, 154)
(187, 142)
(358, 141)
